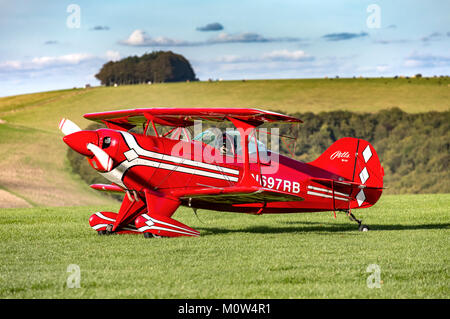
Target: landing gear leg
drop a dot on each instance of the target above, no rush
(361, 227)
(109, 230)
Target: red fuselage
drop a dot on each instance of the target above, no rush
(172, 166)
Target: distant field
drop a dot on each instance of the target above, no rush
(237, 256)
(34, 166)
(302, 95)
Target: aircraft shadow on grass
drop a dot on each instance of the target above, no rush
(323, 228)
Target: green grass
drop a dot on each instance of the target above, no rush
(237, 256)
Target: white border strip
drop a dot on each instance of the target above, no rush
(151, 221)
(326, 196)
(104, 217)
(144, 228)
(116, 174)
(326, 190)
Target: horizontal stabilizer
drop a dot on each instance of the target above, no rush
(327, 182)
(358, 195)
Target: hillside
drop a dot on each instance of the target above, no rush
(35, 171)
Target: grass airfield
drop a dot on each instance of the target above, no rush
(237, 256)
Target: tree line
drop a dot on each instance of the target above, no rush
(414, 149)
(154, 67)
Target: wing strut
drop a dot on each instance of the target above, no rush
(245, 129)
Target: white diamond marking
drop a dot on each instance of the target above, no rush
(361, 197)
(364, 175)
(131, 155)
(367, 154)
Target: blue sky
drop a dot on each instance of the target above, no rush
(47, 45)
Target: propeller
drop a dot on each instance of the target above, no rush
(83, 143)
(103, 158)
(68, 127)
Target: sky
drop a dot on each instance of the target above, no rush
(48, 45)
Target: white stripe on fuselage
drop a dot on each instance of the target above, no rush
(131, 141)
(117, 173)
(326, 196)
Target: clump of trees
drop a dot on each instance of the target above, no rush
(155, 67)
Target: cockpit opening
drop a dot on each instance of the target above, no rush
(229, 143)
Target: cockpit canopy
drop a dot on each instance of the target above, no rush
(229, 143)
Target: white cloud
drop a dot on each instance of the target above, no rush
(137, 37)
(273, 56)
(74, 58)
(261, 66)
(382, 68)
(286, 55)
(47, 62)
(238, 37)
(412, 63)
(247, 37)
(426, 60)
(231, 58)
(112, 55)
(12, 65)
(141, 38)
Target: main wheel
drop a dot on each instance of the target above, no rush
(150, 235)
(109, 229)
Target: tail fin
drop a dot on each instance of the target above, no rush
(354, 160)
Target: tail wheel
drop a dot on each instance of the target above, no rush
(363, 227)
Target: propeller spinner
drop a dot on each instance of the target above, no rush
(85, 143)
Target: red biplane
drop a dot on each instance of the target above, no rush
(162, 167)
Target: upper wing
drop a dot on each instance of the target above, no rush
(186, 116)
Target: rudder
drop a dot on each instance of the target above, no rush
(354, 160)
